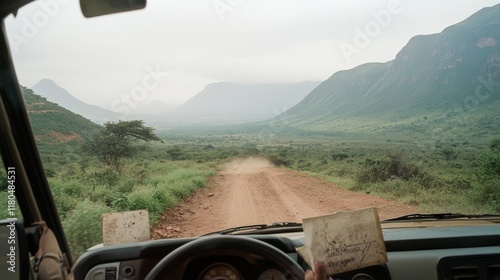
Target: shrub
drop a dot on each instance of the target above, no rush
(392, 165)
(125, 185)
(428, 181)
(339, 156)
(103, 195)
(106, 176)
(448, 153)
(460, 182)
(64, 202)
(142, 198)
(279, 160)
(495, 144)
(50, 173)
(489, 194)
(176, 153)
(180, 189)
(73, 189)
(120, 202)
(303, 164)
(83, 226)
(488, 164)
(397, 187)
(154, 200)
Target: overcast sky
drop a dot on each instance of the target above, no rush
(172, 49)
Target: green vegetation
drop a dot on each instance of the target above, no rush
(85, 190)
(414, 129)
(431, 89)
(116, 141)
(488, 170)
(83, 226)
(52, 123)
(488, 163)
(416, 173)
(155, 179)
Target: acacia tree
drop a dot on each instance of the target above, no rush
(115, 141)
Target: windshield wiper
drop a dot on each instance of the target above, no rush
(256, 228)
(438, 216)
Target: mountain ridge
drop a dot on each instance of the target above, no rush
(53, 92)
(52, 123)
(430, 76)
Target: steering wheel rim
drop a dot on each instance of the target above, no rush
(290, 268)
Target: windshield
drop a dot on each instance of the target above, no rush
(219, 114)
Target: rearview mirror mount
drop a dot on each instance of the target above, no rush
(93, 8)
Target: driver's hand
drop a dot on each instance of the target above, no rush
(320, 273)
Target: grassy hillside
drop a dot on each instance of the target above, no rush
(52, 123)
(58, 132)
(441, 86)
(54, 93)
(339, 94)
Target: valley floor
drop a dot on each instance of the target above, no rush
(251, 191)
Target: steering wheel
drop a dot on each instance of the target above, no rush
(290, 268)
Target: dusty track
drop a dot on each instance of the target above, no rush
(251, 191)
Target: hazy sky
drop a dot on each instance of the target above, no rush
(172, 49)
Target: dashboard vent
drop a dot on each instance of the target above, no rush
(465, 272)
(494, 271)
(485, 267)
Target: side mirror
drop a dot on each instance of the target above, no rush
(93, 8)
(14, 252)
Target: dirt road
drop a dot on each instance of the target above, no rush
(251, 191)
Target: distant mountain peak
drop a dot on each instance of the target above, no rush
(47, 81)
(53, 92)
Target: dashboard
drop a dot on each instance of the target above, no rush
(438, 251)
(233, 268)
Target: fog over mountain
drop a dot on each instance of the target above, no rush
(218, 103)
(449, 81)
(450, 76)
(230, 101)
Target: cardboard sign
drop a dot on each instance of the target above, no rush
(125, 227)
(344, 241)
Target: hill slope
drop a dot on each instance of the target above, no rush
(445, 81)
(52, 123)
(54, 93)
